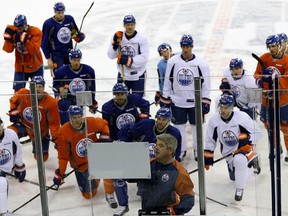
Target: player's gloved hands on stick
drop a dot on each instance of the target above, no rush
(58, 180)
(244, 145)
(9, 32)
(21, 37)
(124, 60)
(93, 108)
(206, 105)
(208, 159)
(270, 71)
(14, 115)
(117, 39)
(20, 172)
(79, 37)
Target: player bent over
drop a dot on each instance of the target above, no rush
(72, 148)
(10, 156)
(237, 134)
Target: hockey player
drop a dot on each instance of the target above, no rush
(283, 40)
(237, 133)
(178, 91)
(165, 51)
(22, 117)
(74, 136)
(26, 41)
(119, 112)
(146, 130)
(10, 156)
(170, 186)
(70, 79)
(132, 52)
(58, 32)
(241, 85)
(275, 64)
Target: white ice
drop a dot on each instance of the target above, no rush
(222, 29)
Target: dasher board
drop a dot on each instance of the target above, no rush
(119, 160)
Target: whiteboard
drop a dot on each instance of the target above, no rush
(119, 160)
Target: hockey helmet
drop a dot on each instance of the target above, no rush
(120, 88)
(163, 46)
(59, 6)
(273, 39)
(186, 40)
(164, 112)
(236, 62)
(38, 80)
(20, 20)
(282, 37)
(129, 19)
(227, 99)
(75, 110)
(75, 53)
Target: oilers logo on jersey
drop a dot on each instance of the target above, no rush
(229, 138)
(76, 85)
(128, 50)
(165, 177)
(185, 76)
(124, 120)
(81, 147)
(64, 35)
(28, 115)
(236, 91)
(5, 156)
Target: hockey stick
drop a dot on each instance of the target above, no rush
(213, 200)
(219, 159)
(83, 20)
(47, 188)
(259, 61)
(26, 180)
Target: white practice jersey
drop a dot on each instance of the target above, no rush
(10, 151)
(179, 80)
(243, 89)
(227, 133)
(137, 47)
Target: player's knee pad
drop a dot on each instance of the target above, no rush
(119, 183)
(240, 161)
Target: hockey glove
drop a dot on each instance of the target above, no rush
(206, 105)
(93, 108)
(21, 37)
(225, 86)
(117, 39)
(208, 158)
(20, 172)
(270, 71)
(144, 115)
(14, 115)
(58, 180)
(244, 145)
(124, 60)
(157, 97)
(9, 33)
(165, 102)
(79, 37)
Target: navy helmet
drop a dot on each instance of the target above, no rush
(129, 19)
(227, 99)
(20, 20)
(164, 112)
(273, 40)
(236, 62)
(120, 88)
(38, 80)
(282, 37)
(59, 6)
(75, 110)
(163, 46)
(186, 40)
(75, 53)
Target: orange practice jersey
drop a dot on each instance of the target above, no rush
(31, 51)
(282, 66)
(72, 145)
(48, 112)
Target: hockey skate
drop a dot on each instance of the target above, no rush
(111, 200)
(231, 173)
(195, 155)
(255, 163)
(121, 210)
(239, 194)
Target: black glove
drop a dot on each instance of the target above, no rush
(93, 108)
(124, 60)
(79, 37)
(20, 172)
(21, 37)
(208, 159)
(9, 33)
(117, 39)
(206, 105)
(58, 179)
(14, 115)
(157, 97)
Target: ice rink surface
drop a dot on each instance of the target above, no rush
(221, 29)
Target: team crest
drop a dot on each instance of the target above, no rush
(185, 76)
(76, 85)
(81, 147)
(229, 138)
(128, 50)
(165, 177)
(64, 35)
(5, 156)
(124, 120)
(236, 91)
(28, 115)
